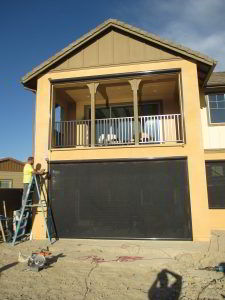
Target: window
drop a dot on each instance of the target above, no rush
(216, 105)
(217, 171)
(6, 183)
(126, 110)
(215, 175)
(121, 127)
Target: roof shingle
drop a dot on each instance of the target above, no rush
(217, 79)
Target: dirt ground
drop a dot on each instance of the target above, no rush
(99, 269)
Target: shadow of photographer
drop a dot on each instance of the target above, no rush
(161, 289)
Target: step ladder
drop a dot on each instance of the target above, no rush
(26, 212)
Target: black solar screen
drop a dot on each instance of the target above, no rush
(215, 174)
(121, 199)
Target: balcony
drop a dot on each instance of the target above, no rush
(118, 112)
(154, 129)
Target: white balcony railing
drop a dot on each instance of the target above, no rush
(72, 133)
(161, 129)
(115, 131)
(119, 131)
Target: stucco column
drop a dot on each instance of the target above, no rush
(42, 139)
(135, 86)
(195, 153)
(93, 88)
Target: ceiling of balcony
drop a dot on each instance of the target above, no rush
(156, 87)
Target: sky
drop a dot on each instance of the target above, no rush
(33, 31)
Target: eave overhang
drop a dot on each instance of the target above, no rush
(204, 63)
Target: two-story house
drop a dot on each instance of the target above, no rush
(132, 127)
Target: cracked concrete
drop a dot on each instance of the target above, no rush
(104, 269)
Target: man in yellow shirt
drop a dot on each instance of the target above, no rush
(27, 176)
(28, 171)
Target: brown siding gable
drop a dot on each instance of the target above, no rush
(46, 65)
(10, 164)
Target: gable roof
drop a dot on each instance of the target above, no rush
(216, 79)
(11, 159)
(9, 164)
(184, 51)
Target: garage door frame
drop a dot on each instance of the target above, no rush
(135, 160)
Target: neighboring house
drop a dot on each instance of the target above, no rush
(135, 149)
(11, 173)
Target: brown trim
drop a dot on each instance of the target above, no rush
(127, 75)
(142, 62)
(209, 74)
(214, 160)
(116, 160)
(214, 89)
(88, 148)
(213, 86)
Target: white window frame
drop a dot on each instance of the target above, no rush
(10, 181)
(209, 112)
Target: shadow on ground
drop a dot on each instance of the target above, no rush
(54, 259)
(161, 289)
(6, 267)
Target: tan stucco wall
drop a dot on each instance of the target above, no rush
(193, 148)
(217, 219)
(215, 154)
(69, 107)
(16, 177)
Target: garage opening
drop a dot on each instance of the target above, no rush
(122, 199)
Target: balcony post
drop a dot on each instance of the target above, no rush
(93, 88)
(181, 106)
(135, 86)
